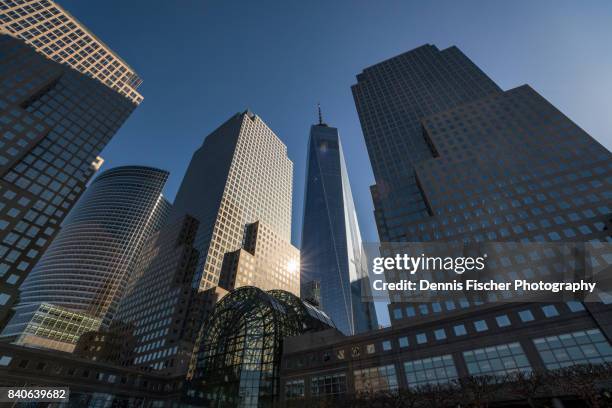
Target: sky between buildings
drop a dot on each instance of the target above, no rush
(202, 61)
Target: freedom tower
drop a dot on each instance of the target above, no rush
(333, 267)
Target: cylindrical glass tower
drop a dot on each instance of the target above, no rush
(77, 284)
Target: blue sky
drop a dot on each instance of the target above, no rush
(202, 61)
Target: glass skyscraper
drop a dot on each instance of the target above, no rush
(83, 273)
(54, 122)
(333, 262)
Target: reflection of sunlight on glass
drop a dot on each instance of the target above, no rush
(292, 265)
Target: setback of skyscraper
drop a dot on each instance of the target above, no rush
(54, 122)
(82, 275)
(332, 255)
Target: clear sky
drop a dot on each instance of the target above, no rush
(202, 61)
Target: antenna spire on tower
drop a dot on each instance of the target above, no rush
(321, 123)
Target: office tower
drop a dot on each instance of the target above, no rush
(54, 123)
(238, 360)
(391, 99)
(333, 258)
(265, 261)
(53, 32)
(235, 199)
(457, 159)
(82, 275)
(239, 176)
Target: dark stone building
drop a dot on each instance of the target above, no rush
(456, 159)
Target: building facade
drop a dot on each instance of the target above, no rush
(83, 273)
(391, 98)
(478, 165)
(161, 310)
(248, 178)
(238, 358)
(54, 123)
(91, 383)
(53, 32)
(333, 258)
(265, 261)
(498, 342)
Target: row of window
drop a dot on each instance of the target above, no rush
(581, 347)
(440, 334)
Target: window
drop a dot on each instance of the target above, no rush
(382, 378)
(526, 316)
(502, 321)
(581, 347)
(502, 359)
(370, 349)
(410, 311)
(386, 345)
(575, 306)
(5, 360)
(328, 385)
(480, 326)
(460, 330)
(550, 311)
(340, 354)
(440, 334)
(421, 338)
(403, 342)
(433, 370)
(294, 389)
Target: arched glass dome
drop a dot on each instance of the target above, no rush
(238, 360)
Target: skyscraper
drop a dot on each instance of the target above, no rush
(231, 215)
(457, 159)
(333, 258)
(83, 273)
(239, 176)
(53, 32)
(54, 122)
(391, 99)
